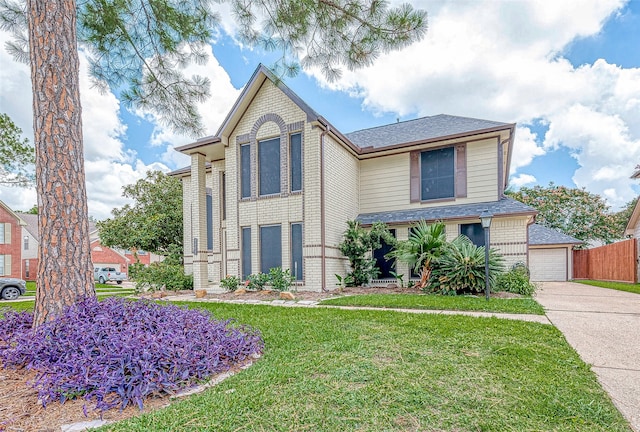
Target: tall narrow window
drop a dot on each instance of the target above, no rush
(295, 155)
(246, 252)
(245, 168)
(270, 247)
(269, 166)
(3, 228)
(296, 251)
(412, 272)
(384, 266)
(25, 243)
(209, 219)
(223, 195)
(437, 171)
(26, 269)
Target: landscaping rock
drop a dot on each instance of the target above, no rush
(240, 291)
(392, 286)
(266, 292)
(286, 295)
(200, 293)
(159, 294)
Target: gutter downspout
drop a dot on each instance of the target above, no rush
(323, 258)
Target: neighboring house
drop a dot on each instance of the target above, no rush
(30, 242)
(277, 183)
(140, 256)
(550, 254)
(10, 239)
(101, 256)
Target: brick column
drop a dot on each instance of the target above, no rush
(198, 222)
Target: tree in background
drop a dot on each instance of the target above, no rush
(139, 49)
(16, 155)
(621, 218)
(153, 222)
(576, 212)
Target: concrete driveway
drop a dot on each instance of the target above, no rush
(603, 326)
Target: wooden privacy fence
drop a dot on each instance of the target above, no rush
(614, 262)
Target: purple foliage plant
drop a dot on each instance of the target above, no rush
(118, 352)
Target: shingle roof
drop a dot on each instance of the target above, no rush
(502, 207)
(542, 235)
(32, 225)
(420, 129)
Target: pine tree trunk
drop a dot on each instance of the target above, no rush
(65, 272)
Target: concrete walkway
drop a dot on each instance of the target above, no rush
(603, 326)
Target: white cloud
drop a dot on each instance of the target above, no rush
(108, 164)
(213, 110)
(522, 180)
(503, 61)
(525, 148)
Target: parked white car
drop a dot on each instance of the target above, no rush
(106, 274)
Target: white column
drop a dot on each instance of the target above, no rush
(199, 222)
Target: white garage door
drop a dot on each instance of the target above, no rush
(548, 264)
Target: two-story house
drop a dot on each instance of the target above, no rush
(277, 183)
(10, 242)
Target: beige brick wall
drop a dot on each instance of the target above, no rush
(342, 173)
(286, 208)
(509, 237)
(384, 181)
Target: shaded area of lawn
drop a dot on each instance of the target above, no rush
(620, 286)
(337, 370)
(437, 302)
(31, 288)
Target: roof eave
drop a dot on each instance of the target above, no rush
(633, 220)
(508, 126)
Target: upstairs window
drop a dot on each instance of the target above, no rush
(437, 174)
(269, 166)
(295, 163)
(245, 171)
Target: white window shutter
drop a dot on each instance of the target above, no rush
(7, 233)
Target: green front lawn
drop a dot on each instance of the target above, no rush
(31, 288)
(437, 302)
(338, 370)
(620, 286)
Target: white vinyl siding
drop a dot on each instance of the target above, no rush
(385, 181)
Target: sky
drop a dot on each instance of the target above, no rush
(567, 72)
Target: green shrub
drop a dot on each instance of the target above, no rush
(257, 281)
(279, 279)
(357, 245)
(162, 274)
(460, 268)
(230, 283)
(515, 281)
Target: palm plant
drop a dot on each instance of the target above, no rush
(461, 267)
(425, 243)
